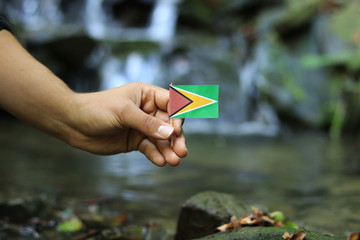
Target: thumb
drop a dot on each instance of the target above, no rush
(149, 125)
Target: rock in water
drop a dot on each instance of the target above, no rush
(204, 212)
(264, 233)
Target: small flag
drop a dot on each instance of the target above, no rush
(194, 101)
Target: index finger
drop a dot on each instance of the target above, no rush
(158, 95)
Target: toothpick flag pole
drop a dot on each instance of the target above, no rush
(172, 138)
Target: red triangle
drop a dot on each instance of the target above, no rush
(177, 101)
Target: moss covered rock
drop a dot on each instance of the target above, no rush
(263, 233)
(204, 212)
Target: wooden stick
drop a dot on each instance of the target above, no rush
(172, 124)
(172, 137)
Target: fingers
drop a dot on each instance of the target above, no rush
(159, 152)
(177, 124)
(168, 153)
(151, 126)
(152, 94)
(180, 146)
(151, 152)
(172, 155)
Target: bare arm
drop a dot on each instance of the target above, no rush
(131, 117)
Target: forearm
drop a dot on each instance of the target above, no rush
(31, 92)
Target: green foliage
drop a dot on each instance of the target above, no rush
(338, 119)
(73, 224)
(280, 217)
(345, 22)
(290, 224)
(349, 59)
(277, 216)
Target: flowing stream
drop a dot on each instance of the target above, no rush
(312, 180)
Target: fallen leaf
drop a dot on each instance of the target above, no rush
(354, 236)
(291, 224)
(224, 227)
(295, 236)
(287, 235)
(72, 224)
(298, 236)
(278, 224)
(277, 216)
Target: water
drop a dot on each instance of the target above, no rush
(312, 180)
(309, 178)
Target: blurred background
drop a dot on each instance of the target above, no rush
(289, 77)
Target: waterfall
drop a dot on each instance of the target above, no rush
(136, 66)
(163, 20)
(94, 18)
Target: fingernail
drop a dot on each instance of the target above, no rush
(165, 131)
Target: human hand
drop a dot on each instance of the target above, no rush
(127, 118)
(131, 117)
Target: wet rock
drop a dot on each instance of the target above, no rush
(218, 15)
(264, 233)
(296, 15)
(22, 210)
(130, 13)
(204, 212)
(297, 94)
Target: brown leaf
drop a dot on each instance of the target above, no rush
(298, 236)
(225, 227)
(287, 235)
(354, 236)
(255, 218)
(235, 222)
(268, 220)
(295, 236)
(278, 224)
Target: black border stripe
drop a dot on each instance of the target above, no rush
(191, 101)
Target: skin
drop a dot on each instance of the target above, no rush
(128, 118)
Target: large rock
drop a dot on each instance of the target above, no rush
(264, 233)
(205, 211)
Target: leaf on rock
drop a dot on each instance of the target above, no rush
(287, 235)
(295, 236)
(289, 224)
(255, 218)
(277, 216)
(354, 236)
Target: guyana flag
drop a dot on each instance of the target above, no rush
(194, 101)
